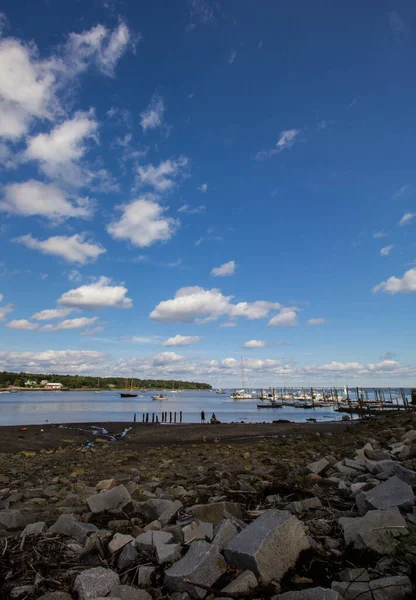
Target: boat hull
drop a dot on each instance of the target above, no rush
(128, 395)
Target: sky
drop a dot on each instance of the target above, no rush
(187, 187)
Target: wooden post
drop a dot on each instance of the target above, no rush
(313, 401)
(157, 419)
(170, 417)
(153, 417)
(143, 418)
(174, 417)
(134, 420)
(180, 417)
(147, 417)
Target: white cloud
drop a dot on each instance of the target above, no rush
(5, 309)
(152, 117)
(285, 318)
(197, 304)
(286, 140)
(55, 361)
(201, 11)
(92, 332)
(101, 294)
(403, 191)
(22, 324)
(74, 275)
(232, 57)
(397, 25)
(181, 340)
(254, 344)
(78, 323)
(395, 285)
(386, 250)
(224, 270)
(228, 324)
(406, 218)
(143, 223)
(60, 151)
(166, 358)
(164, 176)
(379, 234)
(189, 210)
(51, 314)
(73, 249)
(33, 198)
(203, 187)
(317, 321)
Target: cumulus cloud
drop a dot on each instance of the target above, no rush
(101, 294)
(164, 176)
(34, 198)
(166, 358)
(73, 249)
(386, 250)
(60, 151)
(78, 323)
(55, 361)
(317, 321)
(254, 344)
(224, 270)
(286, 140)
(406, 218)
(51, 314)
(201, 305)
(287, 317)
(143, 222)
(182, 340)
(92, 332)
(379, 234)
(203, 187)
(396, 285)
(5, 309)
(22, 325)
(152, 117)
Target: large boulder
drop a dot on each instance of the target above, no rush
(95, 582)
(104, 501)
(269, 546)
(217, 511)
(390, 493)
(202, 564)
(375, 531)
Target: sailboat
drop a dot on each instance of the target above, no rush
(129, 394)
(97, 391)
(241, 394)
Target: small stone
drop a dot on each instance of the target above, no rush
(106, 485)
(153, 508)
(375, 531)
(224, 532)
(355, 464)
(319, 466)
(128, 557)
(104, 501)
(397, 587)
(168, 553)
(243, 583)
(202, 564)
(359, 575)
(198, 531)
(95, 582)
(153, 526)
(34, 529)
(302, 505)
(126, 592)
(21, 590)
(269, 546)
(171, 512)
(214, 513)
(118, 525)
(390, 493)
(317, 593)
(55, 596)
(12, 519)
(145, 575)
(119, 541)
(68, 525)
(144, 541)
(409, 435)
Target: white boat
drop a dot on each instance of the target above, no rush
(160, 397)
(220, 391)
(4, 392)
(241, 395)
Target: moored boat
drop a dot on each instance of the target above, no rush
(160, 397)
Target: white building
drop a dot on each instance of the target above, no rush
(53, 386)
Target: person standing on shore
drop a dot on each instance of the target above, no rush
(202, 416)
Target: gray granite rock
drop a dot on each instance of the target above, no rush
(317, 593)
(319, 466)
(224, 532)
(245, 582)
(202, 564)
(95, 582)
(390, 493)
(12, 519)
(168, 553)
(127, 558)
(269, 546)
(375, 531)
(145, 575)
(21, 591)
(55, 596)
(34, 529)
(153, 508)
(356, 574)
(198, 531)
(215, 512)
(170, 513)
(112, 499)
(144, 541)
(119, 541)
(350, 590)
(387, 588)
(302, 505)
(126, 592)
(70, 526)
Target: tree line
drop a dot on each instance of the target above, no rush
(8, 378)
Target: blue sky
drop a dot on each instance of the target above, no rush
(186, 183)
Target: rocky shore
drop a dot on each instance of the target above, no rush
(309, 516)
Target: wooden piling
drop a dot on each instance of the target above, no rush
(174, 417)
(180, 417)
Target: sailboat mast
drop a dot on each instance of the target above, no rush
(242, 373)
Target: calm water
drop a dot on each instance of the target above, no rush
(29, 408)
